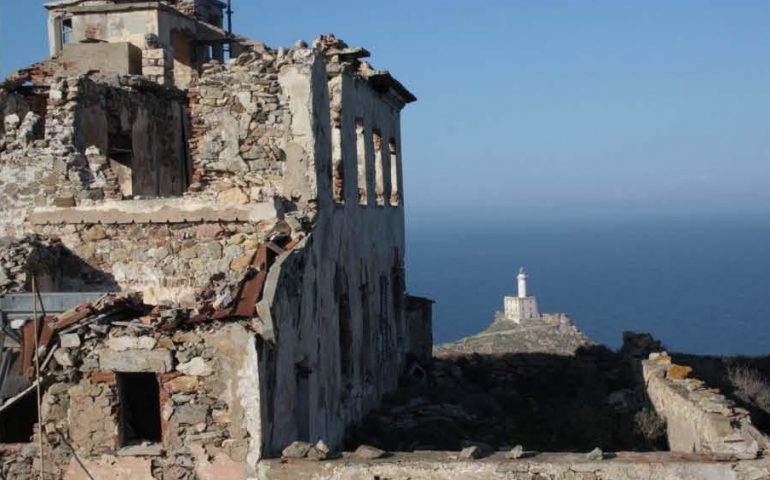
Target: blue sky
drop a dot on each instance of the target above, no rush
(549, 109)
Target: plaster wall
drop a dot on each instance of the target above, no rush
(119, 26)
(179, 33)
(120, 58)
(174, 31)
(356, 99)
(338, 307)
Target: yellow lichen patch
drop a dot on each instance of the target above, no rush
(678, 372)
(693, 383)
(662, 358)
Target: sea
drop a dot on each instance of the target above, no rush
(700, 285)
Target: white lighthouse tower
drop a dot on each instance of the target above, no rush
(522, 283)
(521, 307)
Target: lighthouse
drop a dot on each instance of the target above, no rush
(521, 307)
(522, 283)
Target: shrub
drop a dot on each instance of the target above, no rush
(650, 425)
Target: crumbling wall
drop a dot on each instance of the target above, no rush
(243, 144)
(332, 322)
(337, 300)
(133, 139)
(699, 419)
(206, 10)
(30, 255)
(74, 193)
(164, 261)
(208, 398)
(70, 164)
(130, 25)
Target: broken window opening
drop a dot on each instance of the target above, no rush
(379, 159)
(338, 170)
(37, 99)
(121, 155)
(363, 194)
(346, 336)
(139, 408)
(395, 196)
(66, 31)
(17, 422)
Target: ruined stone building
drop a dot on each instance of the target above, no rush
(216, 248)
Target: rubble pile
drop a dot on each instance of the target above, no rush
(19, 257)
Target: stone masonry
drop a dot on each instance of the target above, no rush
(196, 202)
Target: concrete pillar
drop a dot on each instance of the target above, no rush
(522, 283)
(54, 34)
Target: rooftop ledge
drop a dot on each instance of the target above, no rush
(155, 210)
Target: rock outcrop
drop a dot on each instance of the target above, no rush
(549, 333)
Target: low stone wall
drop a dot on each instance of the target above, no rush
(699, 419)
(546, 466)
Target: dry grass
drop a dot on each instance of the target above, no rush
(750, 386)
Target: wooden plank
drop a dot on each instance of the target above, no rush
(73, 316)
(27, 346)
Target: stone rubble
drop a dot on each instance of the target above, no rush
(320, 451)
(296, 450)
(368, 452)
(515, 453)
(595, 454)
